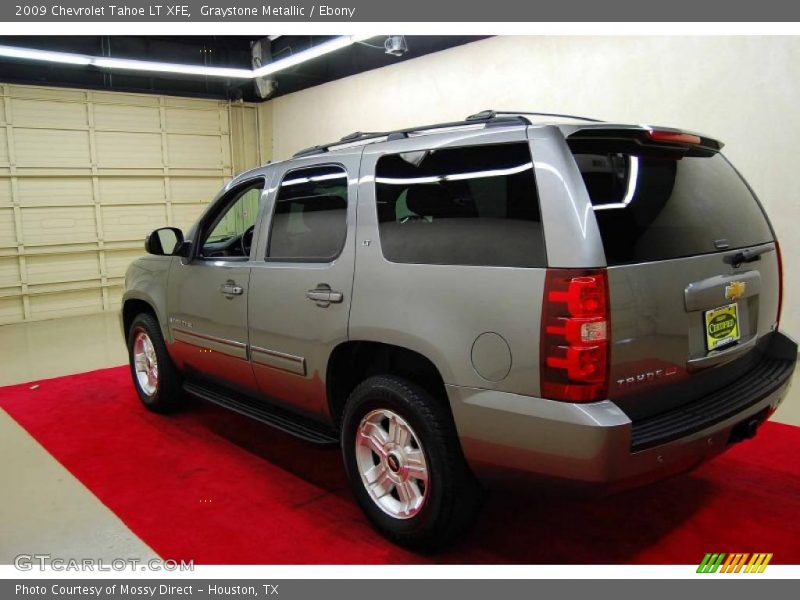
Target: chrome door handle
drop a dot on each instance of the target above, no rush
(230, 289)
(323, 296)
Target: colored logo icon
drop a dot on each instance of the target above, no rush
(734, 562)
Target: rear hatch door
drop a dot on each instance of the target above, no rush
(693, 268)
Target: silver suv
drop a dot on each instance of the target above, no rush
(513, 294)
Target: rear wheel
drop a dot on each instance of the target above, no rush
(405, 465)
(155, 377)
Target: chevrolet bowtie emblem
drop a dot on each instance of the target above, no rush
(735, 290)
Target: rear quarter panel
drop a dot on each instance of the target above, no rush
(440, 310)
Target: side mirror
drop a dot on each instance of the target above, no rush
(166, 241)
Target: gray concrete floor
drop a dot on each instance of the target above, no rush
(43, 349)
(43, 508)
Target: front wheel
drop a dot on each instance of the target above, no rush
(405, 465)
(155, 378)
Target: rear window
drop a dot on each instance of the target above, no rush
(474, 205)
(660, 207)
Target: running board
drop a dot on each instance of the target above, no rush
(300, 427)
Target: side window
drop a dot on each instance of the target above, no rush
(231, 231)
(475, 205)
(310, 218)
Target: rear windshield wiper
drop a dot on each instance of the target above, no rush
(745, 256)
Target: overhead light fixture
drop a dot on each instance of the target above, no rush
(396, 45)
(104, 62)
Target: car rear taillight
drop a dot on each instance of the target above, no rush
(574, 338)
(780, 281)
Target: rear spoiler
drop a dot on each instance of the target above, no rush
(640, 140)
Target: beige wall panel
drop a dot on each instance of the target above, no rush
(81, 223)
(132, 222)
(195, 151)
(244, 138)
(3, 147)
(194, 189)
(9, 272)
(79, 266)
(43, 114)
(265, 130)
(11, 310)
(184, 215)
(132, 190)
(117, 262)
(129, 150)
(115, 297)
(51, 148)
(59, 304)
(46, 93)
(185, 120)
(60, 248)
(54, 191)
(8, 234)
(192, 102)
(44, 226)
(126, 118)
(5, 192)
(127, 99)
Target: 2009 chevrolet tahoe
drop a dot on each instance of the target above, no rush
(513, 293)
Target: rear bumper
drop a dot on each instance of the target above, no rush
(507, 435)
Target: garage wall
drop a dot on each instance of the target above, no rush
(85, 175)
(743, 90)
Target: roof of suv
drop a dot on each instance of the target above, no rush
(483, 119)
(570, 125)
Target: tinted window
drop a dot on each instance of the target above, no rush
(231, 231)
(310, 219)
(658, 207)
(463, 206)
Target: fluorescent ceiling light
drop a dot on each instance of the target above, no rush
(103, 62)
(159, 67)
(45, 55)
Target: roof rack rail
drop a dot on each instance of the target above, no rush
(490, 120)
(489, 114)
(357, 135)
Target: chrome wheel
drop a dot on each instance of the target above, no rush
(392, 464)
(145, 363)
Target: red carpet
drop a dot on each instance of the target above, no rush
(219, 489)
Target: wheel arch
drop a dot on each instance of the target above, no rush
(355, 360)
(134, 304)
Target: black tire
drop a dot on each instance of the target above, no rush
(453, 495)
(168, 394)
